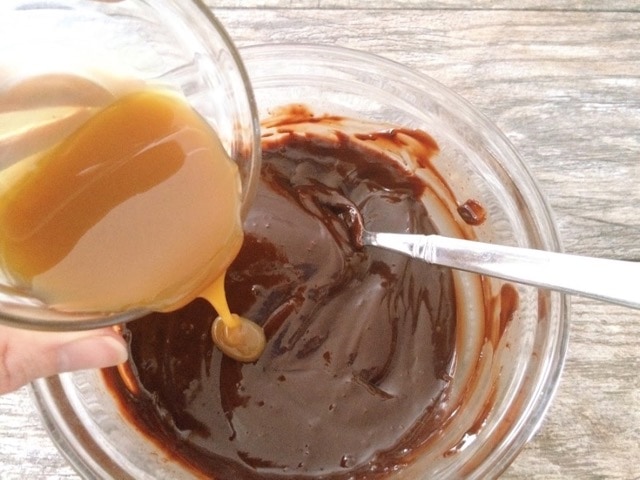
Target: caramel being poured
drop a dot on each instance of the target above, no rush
(139, 206)
(236, 336)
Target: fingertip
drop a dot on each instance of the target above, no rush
(99, 351)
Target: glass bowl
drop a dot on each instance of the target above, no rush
(502, 384)
(173, 44)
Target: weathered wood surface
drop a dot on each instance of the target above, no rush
(563, 83)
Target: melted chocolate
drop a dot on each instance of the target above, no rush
(472, 212)
(361, 341)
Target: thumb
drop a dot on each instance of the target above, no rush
(26, 355)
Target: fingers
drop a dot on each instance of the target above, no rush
(26, 355)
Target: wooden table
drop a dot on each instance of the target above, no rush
(563, 83)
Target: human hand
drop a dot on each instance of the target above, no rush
(26, 355)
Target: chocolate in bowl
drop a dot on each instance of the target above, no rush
(360, 342)
(504, 370)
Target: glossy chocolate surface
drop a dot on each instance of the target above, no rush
(361, 342)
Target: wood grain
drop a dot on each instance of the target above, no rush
(562, 5)
(563, 83)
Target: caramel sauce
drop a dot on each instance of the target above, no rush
(137, 206)
(236, 336)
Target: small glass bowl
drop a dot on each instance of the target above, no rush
(173, 44)
(500, 388)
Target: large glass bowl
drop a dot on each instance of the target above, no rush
(174, 44)
(501, 388)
